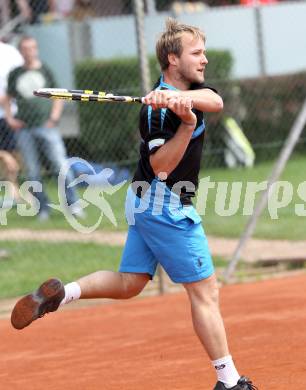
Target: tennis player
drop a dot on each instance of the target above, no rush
(164, 227)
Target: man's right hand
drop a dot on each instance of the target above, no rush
(15, 124)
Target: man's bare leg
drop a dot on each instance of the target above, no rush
(52, 293)
(208, 325)
(115, 285)
(206, 316)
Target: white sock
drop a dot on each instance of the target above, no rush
(226, 371)
(72, 292)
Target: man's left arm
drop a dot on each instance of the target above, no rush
(204, 99)
(57, 105)
(55, 113)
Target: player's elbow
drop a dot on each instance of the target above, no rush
(159, 167)
(161, 172)
(217, 104)
(213, 104)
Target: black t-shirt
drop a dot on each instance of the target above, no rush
(159, 126)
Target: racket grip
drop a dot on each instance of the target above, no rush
(136, 99)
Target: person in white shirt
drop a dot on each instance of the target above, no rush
(10, 59)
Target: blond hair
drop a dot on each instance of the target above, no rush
(170, 41)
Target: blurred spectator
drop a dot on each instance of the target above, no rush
(115, 7)
(31, 10)
(10, 59)
(61, 8)
(162, 5)
(9, 9)
(4, 12)
(22, 7)
(83, 9)
(36, 123)
(188, 7)
(257, 2)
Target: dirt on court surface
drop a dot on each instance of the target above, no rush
(149, 344)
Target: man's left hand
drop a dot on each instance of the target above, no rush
(160, 98)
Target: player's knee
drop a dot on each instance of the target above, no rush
(209, 298)
(131, 292)
(133, 285)
(205, 292)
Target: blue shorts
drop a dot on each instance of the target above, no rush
(165, 232)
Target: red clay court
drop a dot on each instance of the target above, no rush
(149, 344)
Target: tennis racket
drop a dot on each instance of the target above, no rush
(84, 95)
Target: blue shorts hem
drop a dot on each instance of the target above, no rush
(192, 278)
(135, 270)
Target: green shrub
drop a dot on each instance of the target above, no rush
(270, 106)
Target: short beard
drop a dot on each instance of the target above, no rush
(188, 80)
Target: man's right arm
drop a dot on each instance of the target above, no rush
(15, 124)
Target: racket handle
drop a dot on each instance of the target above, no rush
(139, 100)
